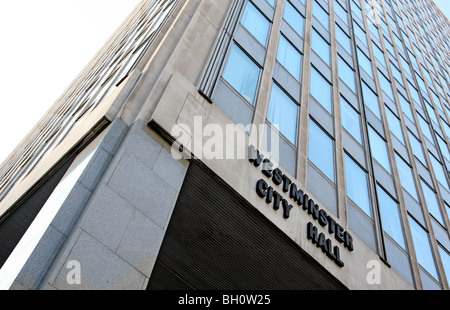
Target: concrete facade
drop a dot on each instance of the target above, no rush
(114, 216)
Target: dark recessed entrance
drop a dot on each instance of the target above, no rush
(217, 241)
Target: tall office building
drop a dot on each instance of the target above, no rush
(242, 144)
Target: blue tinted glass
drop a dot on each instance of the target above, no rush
(390, 217)
(322, 16)
(379, 149)
(321, 89)
(321, 47)
(423, 247)
(406, 177)
(357, 186)
(293, 18)
(283, 114)
(256, 23)
(321, 150)
(242, 73)
(432, 203)
(346, 74)
(351, 120)
(371, 100)
(289, 57)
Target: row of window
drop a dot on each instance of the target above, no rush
(243, 74)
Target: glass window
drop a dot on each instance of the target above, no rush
(346, 74)
(445, 257)
(406, 107)
(365, 63)
(321, 90)
(343, 39)
(341, 12)
(379, 149)
(293, 18)
(371, 100)
(423, 247)
(443, 146)
(438, 171)
(289, 57)
(321, 15)
(425, 128)
(321, 150)
(242, 74)
(432, 202)
(386, 86)
(394, 125)
(351, 120)
(256, 23)
(417, 149)
(320, 46)
(283, 113)
(357, 185)
(390, 217)
(406, 177)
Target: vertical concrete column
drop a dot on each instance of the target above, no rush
(116, 242)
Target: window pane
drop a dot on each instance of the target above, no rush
(445, 257)
(390, 217)
(283, 114)
(346, 74)
(371, 100)
(386, 86)
(438, 171)
(321, 90)
(289, 57)
(322, 16)
(379, 149)
(256, 23)
(321, 150)
(394, 125)
(242, 73)
(357, 186)
(343, 39)
(365, 63)
(432, 203)
(351, 120)
(320, 47)
(423, 247)
(293, 18)
(406, 177)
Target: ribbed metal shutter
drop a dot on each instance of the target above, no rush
(15, 223)
(217, 241)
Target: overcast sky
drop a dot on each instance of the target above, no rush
(45, 45)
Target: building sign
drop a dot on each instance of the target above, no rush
(284, 194)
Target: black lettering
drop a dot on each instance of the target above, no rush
(277, 176)
(339, 233)
(254, 156)
(348, 241)
(286, 209)
(269, 196)
(296, 195)
(277, 199)
(323, 218)
(261, 188)
(329, 250)
(331, 225)
(312, 233)
(313, 210)
(306, 201)
(286, 183)
(267, 168)
(337, 255)
(321, 243)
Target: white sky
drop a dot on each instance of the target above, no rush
(44, 45)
